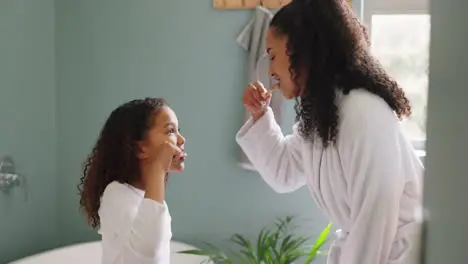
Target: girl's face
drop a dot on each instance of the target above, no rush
(279, 65)
(165, 128)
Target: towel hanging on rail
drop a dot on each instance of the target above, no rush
(252, 39)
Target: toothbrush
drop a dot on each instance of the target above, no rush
(270, 92)
(273, 88)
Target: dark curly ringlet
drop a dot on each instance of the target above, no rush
(114, 157)
(325, 38)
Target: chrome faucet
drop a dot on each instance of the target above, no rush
(8, 177)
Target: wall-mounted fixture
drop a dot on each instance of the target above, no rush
(8, 176)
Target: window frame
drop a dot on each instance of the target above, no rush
(367, 8)
(387, 7)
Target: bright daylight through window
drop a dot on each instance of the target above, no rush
(400, 36)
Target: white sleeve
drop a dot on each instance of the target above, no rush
(136, 236)
(371, 159)
(277, 158)
(147, 235)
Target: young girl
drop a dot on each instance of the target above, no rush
(123, 184)
(347, 146)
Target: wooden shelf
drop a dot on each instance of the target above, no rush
(250, 4)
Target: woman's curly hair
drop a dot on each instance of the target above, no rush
(114, 157)
(325, 38)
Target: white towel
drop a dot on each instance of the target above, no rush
(252, 39)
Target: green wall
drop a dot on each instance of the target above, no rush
(27, 126)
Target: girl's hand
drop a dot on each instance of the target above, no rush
(167, 154)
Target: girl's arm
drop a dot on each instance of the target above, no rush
(134, 230)
(149, 235)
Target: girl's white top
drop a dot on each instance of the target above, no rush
(134, 230)
(369, 182)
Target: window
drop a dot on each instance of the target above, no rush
(399, 31)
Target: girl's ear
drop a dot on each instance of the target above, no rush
(142, 152)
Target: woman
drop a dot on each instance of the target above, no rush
(123, 184)
(347, 145)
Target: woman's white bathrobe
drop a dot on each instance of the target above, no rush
(369, 183)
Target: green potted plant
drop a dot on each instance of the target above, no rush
(276, 245)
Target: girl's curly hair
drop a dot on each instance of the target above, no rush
(114, 157)
(325, 38)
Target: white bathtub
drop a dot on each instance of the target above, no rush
(90, 253)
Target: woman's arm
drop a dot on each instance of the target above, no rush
(277, 158)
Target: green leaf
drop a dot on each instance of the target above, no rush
(273, 246)
(195, 252)
(246, 246)
(212, 256)
(262, 244)
(319, 243)
(293, 244)
(284, 243)
(241, 258)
